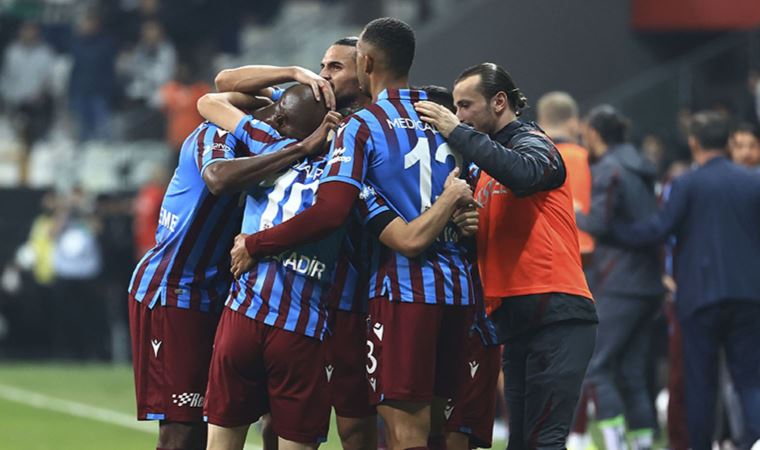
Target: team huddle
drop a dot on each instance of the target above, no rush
(337, 245)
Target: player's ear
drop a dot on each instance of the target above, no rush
(499, 102)
(370, 65)
(280, 120)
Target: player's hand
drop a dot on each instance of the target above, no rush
(241, 260)
(321, 87)
(315, 143)
(466, 220)
(458, 189)
(436, 115)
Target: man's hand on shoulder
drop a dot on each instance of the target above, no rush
(436, 115)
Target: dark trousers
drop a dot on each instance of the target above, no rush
(618, 370)
(677, 429)
(544, 371)
(735, 327)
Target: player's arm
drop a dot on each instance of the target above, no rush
(226, 109)
(411, 239)
(532, 165)
(258, 79)
(235, 175)
(338, 189)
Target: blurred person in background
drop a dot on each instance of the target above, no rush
(744, 145)
(177, 99)
(147, 209)
(626, 283)
(145, 69)
(92, 81)
(25, 87)
(80, 330)
(714, 213)
(558, 116)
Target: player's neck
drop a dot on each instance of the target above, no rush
(505, 119)
(383, 82)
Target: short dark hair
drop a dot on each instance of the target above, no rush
(609, 123)
(395, 38)
(348, 41)
(494, 79)
(711, 129)
(440, 95)
(746, 127)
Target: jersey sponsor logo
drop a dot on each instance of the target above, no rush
(378, 330)
(448, 410)
(329, 371)
(474, 368)
(339, 157)
(191, 399)
(217, 146)
(168, 220)
(373, 383)
(409, 124)
(156, 344)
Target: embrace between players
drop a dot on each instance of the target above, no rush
(349, 278)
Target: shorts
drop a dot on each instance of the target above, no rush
(171, 351)
(415, 349)
(473, 411)
(257, 369)
(346, 357)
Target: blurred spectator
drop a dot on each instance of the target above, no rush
(178, 98)
(626, 283)
(714, 213)
(558, 117)
(751, 109)
(92, 79)
(653, 149)
(147, 207)
(25, 86)
(80, 329)
(149, 65)
(744, 145)
(145, 69)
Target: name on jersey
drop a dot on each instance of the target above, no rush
(167, 220)
(302, 264)
(409, 124)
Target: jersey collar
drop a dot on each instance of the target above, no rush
(412, 95)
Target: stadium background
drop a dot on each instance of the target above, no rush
(65, 378)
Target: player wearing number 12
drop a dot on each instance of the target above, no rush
(422, 305)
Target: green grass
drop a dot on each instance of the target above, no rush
(103, 386)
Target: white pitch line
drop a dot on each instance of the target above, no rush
(41, 401)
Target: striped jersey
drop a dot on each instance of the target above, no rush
(389, 148)
(284, 291)
(189, 267)
(349, 290)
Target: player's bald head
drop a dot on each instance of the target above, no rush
(300, 113)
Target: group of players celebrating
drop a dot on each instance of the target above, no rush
(317, 250)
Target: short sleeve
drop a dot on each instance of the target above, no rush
(213, 145)
(347, 159)
(259, 137)
(371, 204)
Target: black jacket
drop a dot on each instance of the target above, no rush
(714, 213)
(622, 190)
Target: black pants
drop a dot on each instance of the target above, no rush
(543, 371)
(735, 327)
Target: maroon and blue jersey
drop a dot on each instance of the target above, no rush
(189, 267)
(388, 147)
(288, 290)
(349, 290)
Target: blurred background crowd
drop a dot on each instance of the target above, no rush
(96, 98)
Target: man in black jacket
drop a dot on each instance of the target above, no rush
(714, 214)
(626, 282)
(528, 253)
